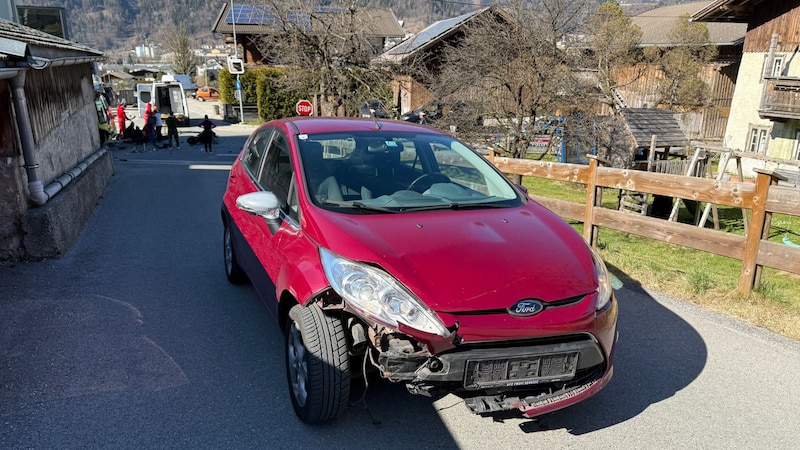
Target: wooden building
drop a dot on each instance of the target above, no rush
(764, 118)
(250, 22)
(637, 84)
(425, 48)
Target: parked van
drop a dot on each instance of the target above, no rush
(167, 97)
(189, 87)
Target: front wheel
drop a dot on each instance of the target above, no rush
(317, 364)
(233, 271)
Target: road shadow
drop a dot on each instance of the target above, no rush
(657, 355)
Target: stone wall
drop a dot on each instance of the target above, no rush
(50, 230)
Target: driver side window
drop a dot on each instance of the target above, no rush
(277, 175)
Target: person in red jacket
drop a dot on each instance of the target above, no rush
(121, 118)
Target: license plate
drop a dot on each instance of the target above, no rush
(520, 371)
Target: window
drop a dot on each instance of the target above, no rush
(796, 151)
(277, 175)
(256, 149)
(777, 67)
(758, 140)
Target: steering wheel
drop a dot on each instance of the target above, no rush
(426, 180)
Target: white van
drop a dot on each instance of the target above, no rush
(167, 97)
(189, 87)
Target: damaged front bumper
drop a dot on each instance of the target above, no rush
(534, 377)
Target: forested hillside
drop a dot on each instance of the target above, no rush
(119, 25)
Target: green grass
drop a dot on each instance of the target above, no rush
(703, 278)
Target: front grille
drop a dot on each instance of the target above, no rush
(547, 305)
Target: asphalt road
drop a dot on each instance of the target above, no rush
(134, 339)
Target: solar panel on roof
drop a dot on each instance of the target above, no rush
(251, 15)
(429, 34)
(265, 15)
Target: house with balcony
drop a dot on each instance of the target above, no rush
(764, 119)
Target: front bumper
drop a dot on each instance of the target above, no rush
(535, 376)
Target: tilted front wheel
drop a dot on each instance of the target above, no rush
(317, 364)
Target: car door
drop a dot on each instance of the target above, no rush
(277, 176)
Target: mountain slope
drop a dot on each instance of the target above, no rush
(117, 26)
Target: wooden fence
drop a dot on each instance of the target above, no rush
(763, 199)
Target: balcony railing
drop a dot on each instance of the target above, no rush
(781, 99)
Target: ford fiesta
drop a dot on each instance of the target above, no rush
(389, 247)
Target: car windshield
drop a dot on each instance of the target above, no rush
(390, 172)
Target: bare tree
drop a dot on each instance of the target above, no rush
(177, 40)
(683, 64)
(516, 64)
(611, 46)
(330, 43)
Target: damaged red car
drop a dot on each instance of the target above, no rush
(387, 247)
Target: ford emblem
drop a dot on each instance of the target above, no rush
(526, 308)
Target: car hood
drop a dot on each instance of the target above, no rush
(466, 260)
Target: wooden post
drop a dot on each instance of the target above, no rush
(594, 198)
(723, 163)
(676, 204)
(760, 220)
(651, 155)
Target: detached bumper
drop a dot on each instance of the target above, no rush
(535, 405)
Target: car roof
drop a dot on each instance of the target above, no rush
(313, 125)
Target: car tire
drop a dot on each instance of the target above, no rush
(233, 271)
(201, 99)
(317, 364)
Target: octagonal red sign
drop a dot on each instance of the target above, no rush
(304, 108)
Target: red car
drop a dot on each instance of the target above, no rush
(388, 247)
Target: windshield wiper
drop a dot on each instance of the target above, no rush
(367, 207)
(456, 205)
(359, 205)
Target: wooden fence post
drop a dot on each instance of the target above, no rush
(758, 229)
(594, 198)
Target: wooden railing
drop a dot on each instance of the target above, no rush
(780, 98)
(763, 199)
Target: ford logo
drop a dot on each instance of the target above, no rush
(526, 308)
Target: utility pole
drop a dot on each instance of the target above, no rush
(236, 54)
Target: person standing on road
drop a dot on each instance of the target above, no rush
(150, 124)
(207, 136)
(121, 118)
(172, 130)
(159, 124)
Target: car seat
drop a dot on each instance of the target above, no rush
(320, 179)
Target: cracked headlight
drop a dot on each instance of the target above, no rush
(604, 289)
(377, 295)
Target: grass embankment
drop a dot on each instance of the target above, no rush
(703, 278)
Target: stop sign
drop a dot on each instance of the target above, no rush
(304, 108)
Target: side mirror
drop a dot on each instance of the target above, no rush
(262, 203)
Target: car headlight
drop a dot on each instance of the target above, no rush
(604, 288)
(378, 295)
